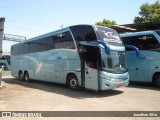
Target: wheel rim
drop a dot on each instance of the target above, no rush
(73, 83)
(21, 76)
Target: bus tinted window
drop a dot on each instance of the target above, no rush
(158, 32)
(63, 40)
(83, 33)
(18, 49)
(143, 42)
(42, 44)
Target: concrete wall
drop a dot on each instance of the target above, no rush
(1, 38)
(1, 33)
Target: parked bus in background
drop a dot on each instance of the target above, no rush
(86, 56)
(145, 68)
(5, 62)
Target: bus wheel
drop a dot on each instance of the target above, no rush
(21, 77)
(73, 82)
(26, 77)
(156, 80)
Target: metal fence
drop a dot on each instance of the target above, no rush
(15, 38)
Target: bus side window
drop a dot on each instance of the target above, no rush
(63, 40)
(152, 43)
(143, 42)
(83, 33)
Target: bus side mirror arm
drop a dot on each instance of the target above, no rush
(106, 46)
(96, 42)
(138, 53)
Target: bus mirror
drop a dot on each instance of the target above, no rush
(101, 46)
(138, 53)
(96, 43)
(134, 48)
(106, 46)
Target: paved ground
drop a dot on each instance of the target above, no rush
(39, 96)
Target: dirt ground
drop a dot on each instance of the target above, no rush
(41, 96)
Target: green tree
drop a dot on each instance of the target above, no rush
(148, 13)
(106, 23)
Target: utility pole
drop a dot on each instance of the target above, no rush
(2, 20)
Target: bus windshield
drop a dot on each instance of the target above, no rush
(158, 32)
(115, 62)
(108, 35)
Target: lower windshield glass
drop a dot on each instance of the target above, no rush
(115, 62)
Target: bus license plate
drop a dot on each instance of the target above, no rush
(119, 86)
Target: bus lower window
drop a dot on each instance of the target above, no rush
(91, 60)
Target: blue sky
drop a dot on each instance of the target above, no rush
(35, 17)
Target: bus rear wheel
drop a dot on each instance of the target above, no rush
(72, 82)
(21, 77)
(156, 80)
(26, 77)
(5, 68)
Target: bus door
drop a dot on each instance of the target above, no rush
(91, 71)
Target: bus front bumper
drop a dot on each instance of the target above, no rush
(106, 83)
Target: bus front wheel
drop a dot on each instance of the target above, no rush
(156, 80)
(72, 82)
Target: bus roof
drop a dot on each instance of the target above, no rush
(51, 33)
(55, 32)
(137, 33)
(44, 35)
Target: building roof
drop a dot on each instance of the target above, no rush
(136, 27)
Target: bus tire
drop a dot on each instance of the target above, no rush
(156, 80)
(72, 82)
(26, 76)
(21, 77)
(5, 68)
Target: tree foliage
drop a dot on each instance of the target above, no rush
(106, 23)
(148, 13)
